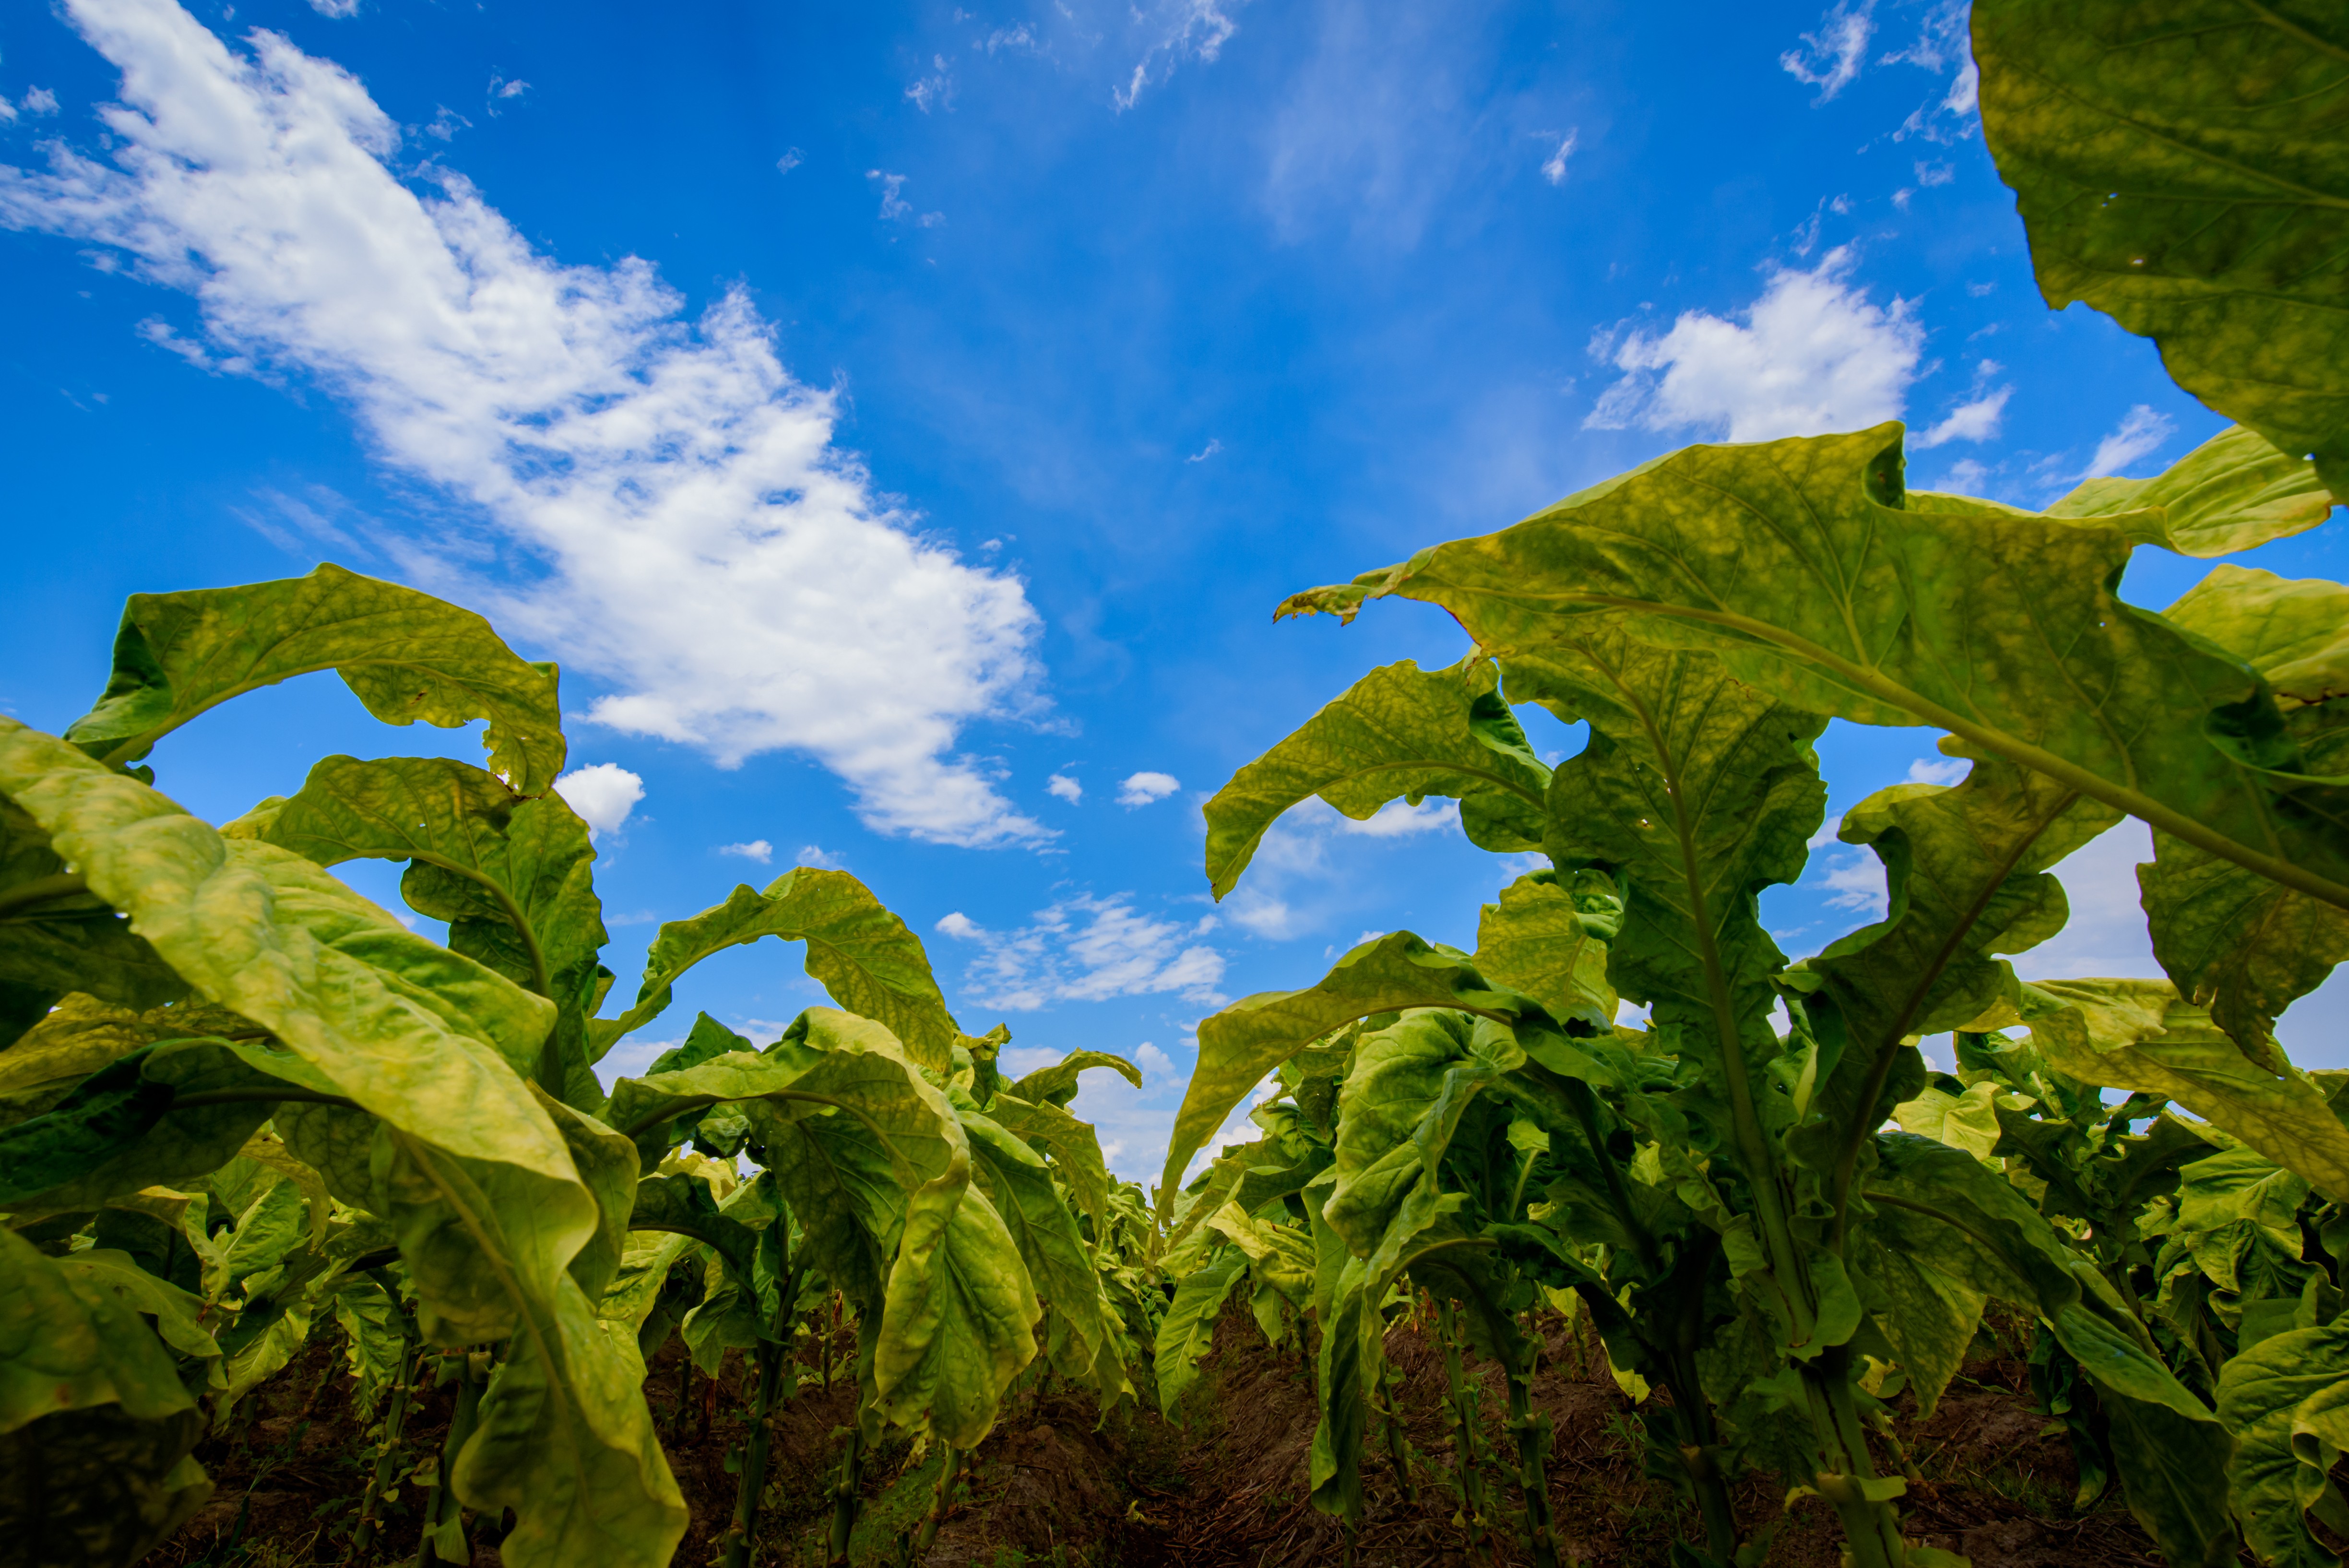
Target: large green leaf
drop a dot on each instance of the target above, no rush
(1240, 1045)
(1072, 1145)
(1057, 1084)
(862, 955)
(960, 1314)
(56, 937)
(2234, 942)
(408, 655)
(511, 873)
(2286, 1401)
(2184, 167)
(98, 1488)
(1189, 1326)
(1801, 564)
(1542, 939)
(481, 1185)
(119, 1131)
(1078, 1341)
(2235, 492)
(1400, 733)
(2138, 1034)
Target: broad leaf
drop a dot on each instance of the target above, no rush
(862, 955)
(409, 657)
(56, 937)
(2286, 1402)
(1189, 1326)
(1072, 1145)
(1079, 1340)
(1800, 563)
(2138, 1034)
(2182, 167)
(1400, 733)
(1542, 939)
(1057, 1084)
(2235, 492)
(1240, 1045)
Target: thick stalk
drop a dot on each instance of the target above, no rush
(773, 1355)
(847, 1496)
(1533, 1466)
(1398, 1440)
(1846, 1472)
(1467, 1456)
(1700, 1444)
(386, 1453)
(939, 1504)
(443, 1511)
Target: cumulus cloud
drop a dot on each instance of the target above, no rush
(1088, 950)
(2138, 436)
(1141, 789)
(815, 855)
(1831, 58)
(659, 501)
(40, 100)
(1938, 770)
(1060, 787)
(339, 9)
(603, 793)
(1156, 1064)
(758, 849)
(1296, 884)
(936, 88)
(1813, 354)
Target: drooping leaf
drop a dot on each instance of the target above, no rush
(99, 1486)
(2286, 1403)
(1189, 1326)
(479, 1183)
(56, 937)
(1801, 564)
(1072, 1145)
(1057, 1084)
(511, 873)
(2181, 167)
(862, 955)
(1077, 1341)
(2138, 1034)
(1539, 940)
(409, 657)
(118, 1131)
(2235, 492)
(1400, 733)
(1240, 1045)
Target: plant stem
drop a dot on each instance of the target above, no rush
(1871, 1526)
(443, 1508)
(1532, 1467)
(847, 1496)
(938, 1505)
(773, 1355)
(1398, 1440)
(1468, 1476)
(387, 1456)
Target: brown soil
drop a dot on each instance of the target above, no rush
(1228, 1489)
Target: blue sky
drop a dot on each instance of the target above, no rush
(901, 421)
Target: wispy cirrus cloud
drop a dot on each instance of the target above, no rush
(1832, 59)
(1087, 949)
(659, 500)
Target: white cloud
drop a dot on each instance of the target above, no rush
(1966, 477)
(339, 9)
(2138, 436)
(1088, 950)
(1929, 174)
(1939, 770)
(1942, 45)
(1554, 167)
(1395, 819)
(2105, 935)
(792, 158)
(1177, 30)
(1812, 355)
(1154, 1064)
(661, 502)
(758, 849)
(892, 205)
(1827, 834)
(500, 91)
(1857, 882)
(603, 793)
(815, 855)
(1974, 421)
(1830, 60)
(1061, 787)
(1207, 452)
(446, 123)
(40, 100)
(1141, 789)
(938, 88)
